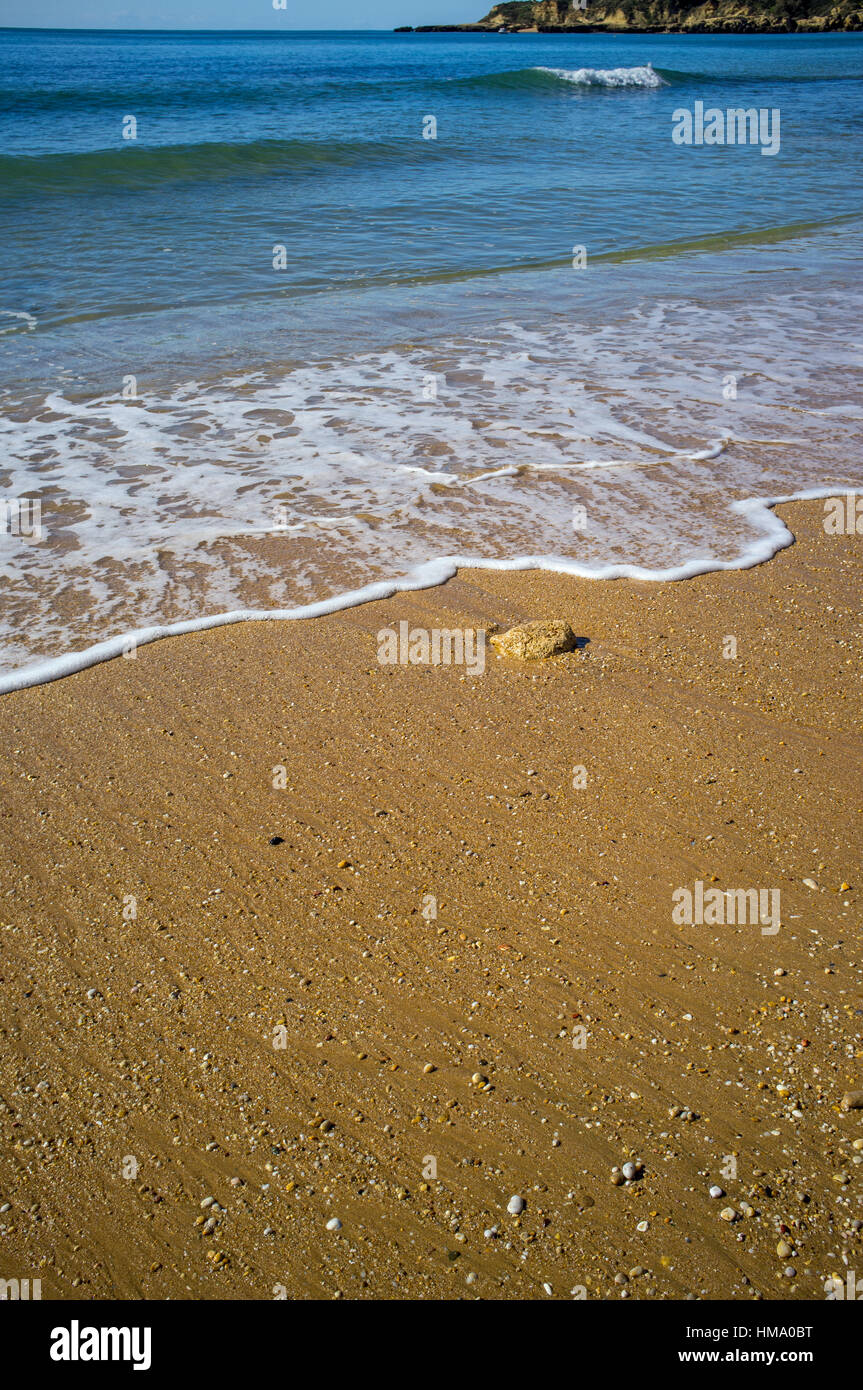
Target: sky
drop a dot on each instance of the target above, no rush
(236, 14)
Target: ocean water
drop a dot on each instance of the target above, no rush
(280, 351)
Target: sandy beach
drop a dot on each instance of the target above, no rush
(432, 964)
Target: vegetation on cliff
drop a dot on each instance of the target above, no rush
(719, 15)
(670, 16)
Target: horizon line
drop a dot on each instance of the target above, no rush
(162, 29)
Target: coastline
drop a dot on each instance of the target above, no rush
(743, 29)
(155, 938)
(760, 511)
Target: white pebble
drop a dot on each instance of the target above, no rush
(334, 1224)
(515, 1206)
(716, 1191)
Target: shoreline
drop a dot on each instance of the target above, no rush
(316, 938)
(429, 575)
(740, 30)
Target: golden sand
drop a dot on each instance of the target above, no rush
(458, 959)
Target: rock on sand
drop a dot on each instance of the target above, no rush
(535, 641)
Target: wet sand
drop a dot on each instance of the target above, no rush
(192, 1012)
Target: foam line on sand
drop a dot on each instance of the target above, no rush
(757, 511)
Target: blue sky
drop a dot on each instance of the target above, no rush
(237, 14)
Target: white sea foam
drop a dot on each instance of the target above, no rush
(342, 481)
(644, 76)
(17, 320)
(775, 536)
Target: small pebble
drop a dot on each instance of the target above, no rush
(716, 1191)
(515, 1206)
(334, 1224)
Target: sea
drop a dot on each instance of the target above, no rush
(289, 321)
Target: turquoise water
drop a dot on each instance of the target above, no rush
(425, 372)
(315, 142)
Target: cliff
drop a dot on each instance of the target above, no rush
(667, 16)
